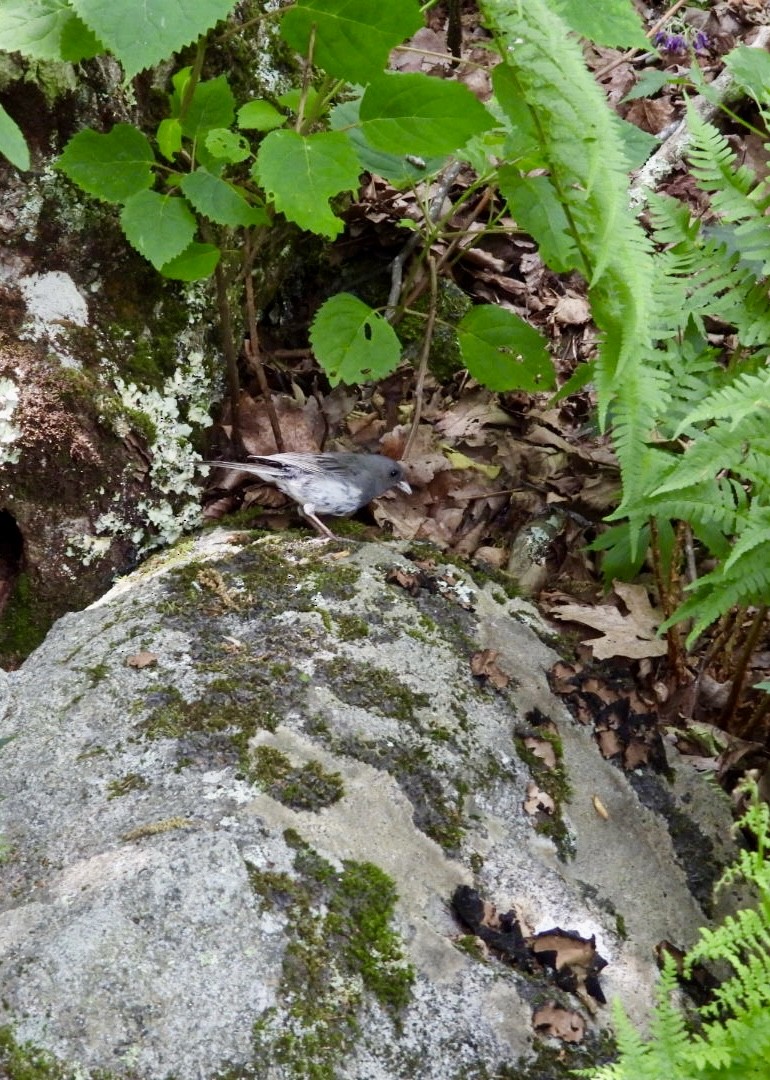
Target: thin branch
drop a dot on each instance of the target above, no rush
(253, 354)
(424, 355)
(739, 675)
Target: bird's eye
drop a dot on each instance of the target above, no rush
(395, 472)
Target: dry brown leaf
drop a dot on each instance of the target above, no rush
(538, 801)
(564, 1024)
(632, 635)
(484, 666)
(142, 660)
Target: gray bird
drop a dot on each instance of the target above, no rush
(335, 484)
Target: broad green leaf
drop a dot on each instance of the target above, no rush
(503, 352)
(34, 27)
(536, 207)
(301, 173)
(648, 84)
(112, 167)
(352, 343)
(614, 23)
(751, 68)
(79, 42)
(212, 106)
(196, 262)
(218, 201)
(397, 168)
(169, 138)
(416, 114)
(12, 143)
(637, 144)
(226, 145)
(259, 116)
(350, 40)
(142, 34)
(160, 227)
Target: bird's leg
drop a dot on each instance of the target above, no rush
(317, 524)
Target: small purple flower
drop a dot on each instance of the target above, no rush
(701, 42)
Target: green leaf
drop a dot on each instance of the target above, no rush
(35, 27)
(112, 167)
(648, 84)
(12, 143)
(301, 173)
(350, 40)
(212, 106)
(218, 201)
(169, 136)
(196, 262)
(142, 34)
(606, 22)
(160, 227)
(503, 352)
(751, 68)
(353, 343)
(259, 116)
(637, 144)
(79, 42)
(416, 114)
(225, 145)
(537, 208)
(396, 168)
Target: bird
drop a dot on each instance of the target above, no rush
(334, 483)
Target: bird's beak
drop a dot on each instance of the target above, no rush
(402, 484)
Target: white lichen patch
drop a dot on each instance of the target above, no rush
(54, 304)
(9, 433)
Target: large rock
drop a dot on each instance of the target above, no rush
(217, 779)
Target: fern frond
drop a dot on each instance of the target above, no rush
(747, 394)
(589, 172)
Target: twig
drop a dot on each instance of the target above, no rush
(253, 354)
(739, 675)
(449, 176)
(424, 355)
(228, 346)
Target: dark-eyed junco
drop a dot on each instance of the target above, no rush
(334, 483)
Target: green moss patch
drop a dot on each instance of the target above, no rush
(302, 787)
(343, 948)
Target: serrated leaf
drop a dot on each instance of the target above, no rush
(218, 201)
(350, 40)
(160, 227)
(212, 106)
(397, 168)
(352, 342)
(259, 116)
(416, 114)
(12, 142)
(112, 167)
(34, 27)
(196, 262)
(616, 25)
(225, 145)
(300, 173)
(503, 352)
(169, 136)
(142, 34)
(79, 42)
(648, 84)
(537, 209)
(751, 69)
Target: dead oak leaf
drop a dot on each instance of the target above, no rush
(632, 635)
(142, 660)
(484, 666)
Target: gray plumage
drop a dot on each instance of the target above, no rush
(333, 484)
